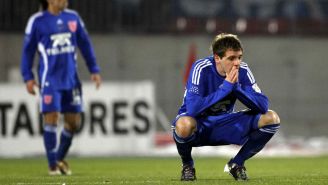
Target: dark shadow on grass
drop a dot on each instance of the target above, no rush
(208, 180)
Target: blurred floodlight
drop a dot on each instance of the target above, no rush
(241, 25)
(210, 25)
(181, 23)
(273, 26)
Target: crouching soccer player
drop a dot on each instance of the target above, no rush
(55, 33)
(207, 117)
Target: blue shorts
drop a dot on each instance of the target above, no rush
(63, 101)
(231, 128)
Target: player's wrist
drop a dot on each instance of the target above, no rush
(227, 85)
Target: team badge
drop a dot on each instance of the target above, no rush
(47, 99)
(72, 25)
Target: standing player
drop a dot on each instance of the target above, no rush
(55, 33)
(207, 117)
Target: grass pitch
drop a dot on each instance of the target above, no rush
(263, 171)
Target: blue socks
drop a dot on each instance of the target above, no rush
(255, 143)
(50, 142)
(65, 142)
(184, 148)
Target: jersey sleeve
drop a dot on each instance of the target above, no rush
(86, 48)
(248, 92)
(196, 98)
(29, 49)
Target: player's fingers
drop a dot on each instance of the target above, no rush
(33, 92)
(97, 79)
(237, 74)
(234, 75)
(230, 78)
(30, 87)
(30, 90)
(98, 83)
(236, 78)
(233, 79)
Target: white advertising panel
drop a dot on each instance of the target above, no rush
(118, 119)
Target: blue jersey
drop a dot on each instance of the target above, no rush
(207, 93)
(56, 38)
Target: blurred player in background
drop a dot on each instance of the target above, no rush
(55, 33)
(207, 117)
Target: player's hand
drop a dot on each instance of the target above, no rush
(232, 76)
(96, 78)
(30, 86)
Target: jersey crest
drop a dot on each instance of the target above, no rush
(72, 25)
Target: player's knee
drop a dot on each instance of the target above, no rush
(185, 126)
(269, 118)
(72, 127)
(51, 118)
(273, 116)
(72, 122)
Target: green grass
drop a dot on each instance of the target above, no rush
(263, 171)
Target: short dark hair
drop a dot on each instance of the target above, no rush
(44, 4)
(223, 42)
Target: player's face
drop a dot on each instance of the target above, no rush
(58, 4)
(230, 59)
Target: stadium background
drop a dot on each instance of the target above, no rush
(153, 40)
